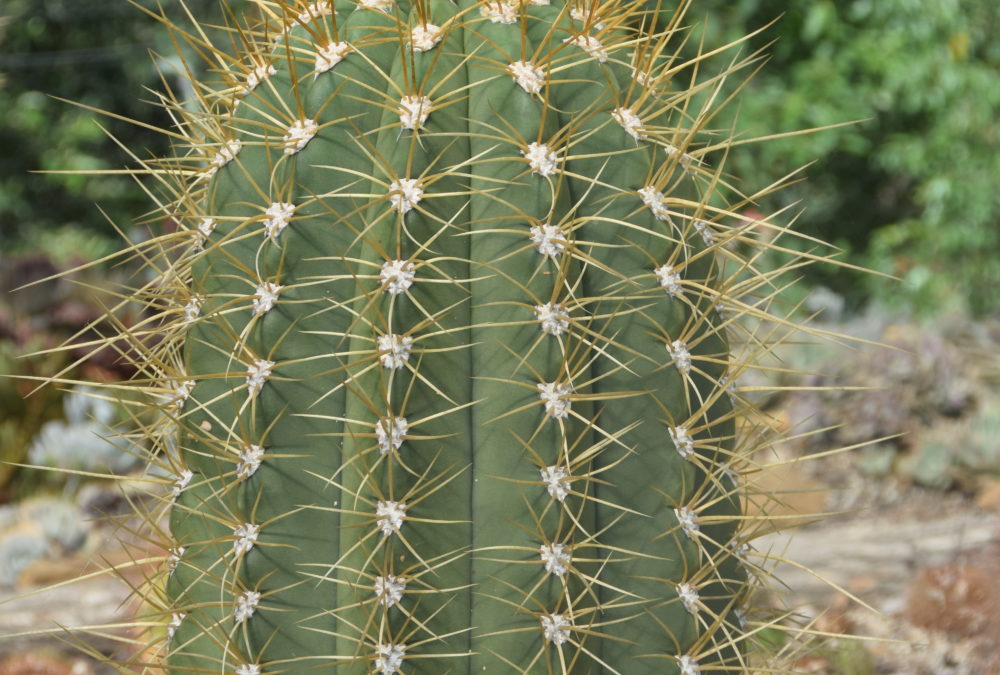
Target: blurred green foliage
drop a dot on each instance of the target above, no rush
(911, 189)
(102, 55)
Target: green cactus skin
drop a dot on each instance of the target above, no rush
(449, 376)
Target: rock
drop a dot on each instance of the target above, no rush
(40, 663)
(988, 494)
(960, 600)
(888, 548)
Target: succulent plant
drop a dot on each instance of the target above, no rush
(34, 529)
(18, 550)
(446, 344)
(61, 521)
(956, 452)
(87, 440)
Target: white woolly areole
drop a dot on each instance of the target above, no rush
(722, 311)
(206, 227)
(653, 198)
(556, 558)
(688, 665)
(499, 12)
(582, 15)
(527, 75)
(250, 459)
(540, 3)
(740, 549)
(246, 604)
(550, 240)
(630, 122)
(641, 76)
(257, 375)
(246, 537)
(180, 394)
(394, 350)
(405, 193)
(397, 276)
(330, 55)
(390, 432)
(682, 441)
(258, 75)
(175, 622)
(299, 134)
(315, 10)
(248, 669)
(731, 475)
(689, 597)
(181, 482)
(556, 479)
(425, 37)
(682, 357)
(224, 156)
(192, 310)
(174, 559)
(591, 45)
(706, 232)
(685, 159)
(413, 111)
(555, 628)
(554, 394)
(265, 297)
(279, 214)
(389, 589)
(541, 158)
(741, 617)
(389, 658)
(650, 195)
(669, 280)
(553, 317)
(390, 516)
(688, 520)
(380, 5)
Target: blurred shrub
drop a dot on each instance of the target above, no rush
(34, 322)
(86, 440)
(35, 529)
(917, 378)
(928, 396)
(958, 453)
(17, 551)
(910, 190)
(98, 54)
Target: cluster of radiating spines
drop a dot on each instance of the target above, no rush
(554, 318)
(323, 44)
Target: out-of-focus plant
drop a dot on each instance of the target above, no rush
(922, 406)
(910, 190)
(34, 320)
(97, 55)
(35, 529)
(87, 439)
(958, 453)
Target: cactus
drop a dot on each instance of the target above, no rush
(446, 346)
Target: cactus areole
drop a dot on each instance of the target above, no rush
(445, 387)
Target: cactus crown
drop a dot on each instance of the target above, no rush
(442, 353)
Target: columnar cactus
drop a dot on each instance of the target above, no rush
(452, 320)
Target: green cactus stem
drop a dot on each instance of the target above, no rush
(450, 331)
